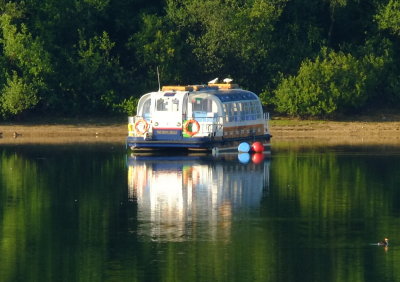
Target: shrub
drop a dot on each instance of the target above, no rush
(128, 106)
(17, 96)
(334, 82)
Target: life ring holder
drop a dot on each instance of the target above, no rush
(141, 123)
(189, 123)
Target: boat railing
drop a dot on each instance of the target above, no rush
(133, 119)
(209, 125)
(213, 125)
(266, 120)
(242, 117)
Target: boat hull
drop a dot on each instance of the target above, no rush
(193, 144)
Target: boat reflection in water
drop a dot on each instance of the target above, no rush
(195, 197)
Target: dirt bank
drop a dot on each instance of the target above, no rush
(371, 132)
(63, 133)
(72, 131)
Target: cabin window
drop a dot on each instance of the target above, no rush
(228, 112)
(201, 105)
(162, 105)
(246, 110)
(146, 107)
(252, 113)
(225, 116)
(242, 111)
(235, 111)
(255, 110)
(175, 105)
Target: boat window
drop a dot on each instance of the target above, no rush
(246, 109)
(259, 110)
(235, 111)
(201, 105)
(146, 107)
(162, 105)
(242, 113)
(175, 105)
(229, 111)
(225, 114)
(256, 110)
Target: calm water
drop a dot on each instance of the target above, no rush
(93, 213)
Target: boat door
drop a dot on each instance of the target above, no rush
(169, 110)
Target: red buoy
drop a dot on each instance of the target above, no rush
(257, 147)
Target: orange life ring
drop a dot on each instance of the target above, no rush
(188, 127)
(141, 126)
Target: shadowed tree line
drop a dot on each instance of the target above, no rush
(304, 58)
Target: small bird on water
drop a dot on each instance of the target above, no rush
(385, 242)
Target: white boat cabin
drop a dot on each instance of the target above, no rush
(214, 110)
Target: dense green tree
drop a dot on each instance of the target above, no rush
(98, 69)
(333, 6)
(25, 63)
(334, 82)
(388, 20)
(388, 17)
(157, 45)
(229, 37)
(299, 33)
(99, 56)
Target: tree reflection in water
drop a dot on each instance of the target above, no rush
(85, 214)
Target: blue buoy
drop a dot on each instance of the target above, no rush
(244, 147)
(244, 158)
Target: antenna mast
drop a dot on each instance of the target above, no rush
(158, 77)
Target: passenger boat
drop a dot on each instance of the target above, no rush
(215, 116)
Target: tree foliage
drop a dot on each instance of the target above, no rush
(388, 17)
(25, 64)
(98, 56)
(333, 82)
(156, 44)
(228, 37)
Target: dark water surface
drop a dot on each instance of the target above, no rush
(94, 213)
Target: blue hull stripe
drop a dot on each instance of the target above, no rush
(200, 143)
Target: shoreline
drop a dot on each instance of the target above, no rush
(282, 130)
(338, 132)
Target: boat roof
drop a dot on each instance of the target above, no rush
(235, 95)
(224, 92)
